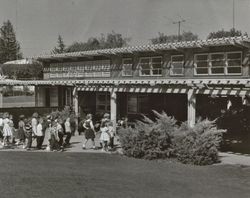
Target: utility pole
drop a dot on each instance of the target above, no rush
(233, 15)
(179, 27)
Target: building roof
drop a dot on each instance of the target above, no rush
(242, 41)
(24, 61)
(117, 82)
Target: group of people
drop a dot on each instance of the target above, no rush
(106, 129)
(57, 130)
(35, 128)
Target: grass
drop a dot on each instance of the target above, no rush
(36, 175)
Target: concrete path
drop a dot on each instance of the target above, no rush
(235, 158)
(77, 141)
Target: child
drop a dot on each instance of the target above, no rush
(67, 131)
(112, 134)
(28, 134)
(7, 131)
(21, 128)
(104, 138)
(53, 137)
(89, 131)
(39, 134)
(60, 133)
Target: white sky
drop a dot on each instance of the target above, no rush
(38, 22)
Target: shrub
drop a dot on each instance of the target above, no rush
(162, 138)
(198, 145)
(149, 139)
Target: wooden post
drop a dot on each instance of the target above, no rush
(75, 106)
(113, 108)
(191, 108)
(36, 96)
(1, 97)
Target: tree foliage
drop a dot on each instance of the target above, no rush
(23, 71)
(60, 48)
(164, 38)
(9, 46)
(223, 33)
(111, 40)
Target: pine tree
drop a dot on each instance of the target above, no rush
(9, 46)
(60, 48)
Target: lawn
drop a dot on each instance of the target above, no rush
(35, 175)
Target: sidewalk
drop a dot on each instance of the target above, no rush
(235, 158)
(77, 141)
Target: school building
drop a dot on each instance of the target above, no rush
(180, 78)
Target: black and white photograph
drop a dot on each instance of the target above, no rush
(124, 98)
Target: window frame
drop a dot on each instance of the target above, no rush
(150, 66)
(183, 64)
(125, 70)
(225, 67)
(234, 52)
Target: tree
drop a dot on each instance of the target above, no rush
(60, 48)
(223, 33)
(163, 38)
(9, 46)
(111, 40)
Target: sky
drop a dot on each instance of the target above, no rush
(39, 22)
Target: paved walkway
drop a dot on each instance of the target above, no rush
(77, 140)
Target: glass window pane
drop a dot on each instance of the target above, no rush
(234, 63)
(236, 55)
(218, 63)
(202, 70)
(234, 70)
(218, 70)
(132, 104)
(202, 57)
(143, 106)
(202, 64)
(217, 56)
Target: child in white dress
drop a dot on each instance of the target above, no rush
(104, 138)
(7, 131)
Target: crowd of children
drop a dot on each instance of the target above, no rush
(35, 128)
(58, 132)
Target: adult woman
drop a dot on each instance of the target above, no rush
(89, 131)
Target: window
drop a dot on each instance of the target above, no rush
(151, 66)
(234, 62)
(132, 103)
(127, 65)
(102, 102)
(217, 63)
(177, 63)
(138, 103)
(221, 63)
(201, 64)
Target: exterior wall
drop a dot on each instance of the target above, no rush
(116, 64)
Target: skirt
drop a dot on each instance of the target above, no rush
(21, 134)
(7, 131)
(104, 136)
(89, 134)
